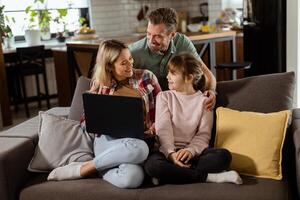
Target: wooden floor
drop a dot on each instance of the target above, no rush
(20, 116)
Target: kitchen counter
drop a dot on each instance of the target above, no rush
(65, 74)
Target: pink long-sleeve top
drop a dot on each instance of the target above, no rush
(182, 122)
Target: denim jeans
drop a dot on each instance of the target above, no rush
(122, 157)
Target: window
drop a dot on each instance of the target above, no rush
(16, 9)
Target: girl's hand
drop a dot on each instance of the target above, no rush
(184, 156)
(211, 101)
(172, 158)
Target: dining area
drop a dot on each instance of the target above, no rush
(63, 60)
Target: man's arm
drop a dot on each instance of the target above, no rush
(210, 80)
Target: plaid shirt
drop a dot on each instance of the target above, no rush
(145, 82)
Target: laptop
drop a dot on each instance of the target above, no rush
(116, 116)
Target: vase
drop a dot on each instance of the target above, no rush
(45, 32)
(33, 37)
(8, 42)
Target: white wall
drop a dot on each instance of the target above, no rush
(118, 17)
(293, 43)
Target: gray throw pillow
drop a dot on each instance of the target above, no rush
(61, 141)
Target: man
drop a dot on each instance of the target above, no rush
(161, 43)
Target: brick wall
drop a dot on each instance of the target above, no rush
(118, 17)
(214, 8)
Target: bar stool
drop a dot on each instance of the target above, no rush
(233, 67)
(31, 62)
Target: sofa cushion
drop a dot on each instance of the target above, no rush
(61, 141)
(265, 93)
(254, 139)
(76, 109)
(95, 188)
(92, 188)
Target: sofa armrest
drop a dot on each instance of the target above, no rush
(29, 128)
(15, 155)
(296, 138)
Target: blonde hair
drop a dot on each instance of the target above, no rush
(188, 64)
(108, 53)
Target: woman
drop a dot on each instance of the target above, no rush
(114, 75)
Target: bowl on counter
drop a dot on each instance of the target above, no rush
(194, 27)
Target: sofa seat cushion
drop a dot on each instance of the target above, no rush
(252, 188)
(92, 188)
(95, 188)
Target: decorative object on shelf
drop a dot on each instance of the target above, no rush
(182, 20)
(5, 31)
(205, 28)
(85, 33)
(62, 32)
(230, 17)
(60, 37)
(194, 27)
(142, 20)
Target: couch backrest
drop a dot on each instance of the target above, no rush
(76, 109)
(265, 93)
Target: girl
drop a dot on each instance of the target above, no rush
(114, 75)
(184, 131)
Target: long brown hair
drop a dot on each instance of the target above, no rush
(108, 53)
(189, 64)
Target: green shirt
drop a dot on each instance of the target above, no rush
(157, 61)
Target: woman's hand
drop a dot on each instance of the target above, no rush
(184, 156)
(211, 101)
(172, 157)
(150, 131)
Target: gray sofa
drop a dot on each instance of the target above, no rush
(265, 93)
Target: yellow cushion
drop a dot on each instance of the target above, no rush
(254, 139)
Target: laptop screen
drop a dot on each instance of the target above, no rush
(116, 116)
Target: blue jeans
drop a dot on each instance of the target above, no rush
(122, 157)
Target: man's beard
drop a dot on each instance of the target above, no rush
(154, 48)
(157, 49)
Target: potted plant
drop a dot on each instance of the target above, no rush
(5, 31)
(62, 32)
(32, 33)
(40, 19)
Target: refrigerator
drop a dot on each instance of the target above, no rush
(265, 36)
